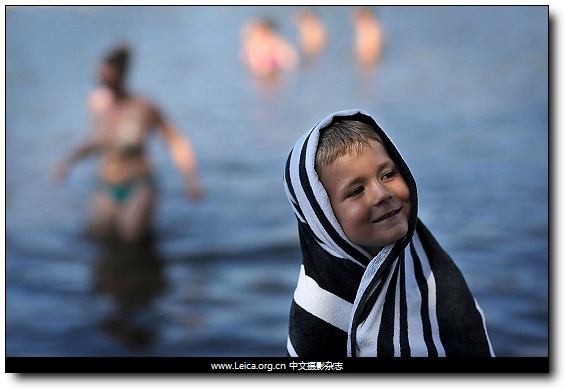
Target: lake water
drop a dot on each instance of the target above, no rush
(463, 92)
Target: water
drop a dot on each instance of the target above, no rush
(463, 92)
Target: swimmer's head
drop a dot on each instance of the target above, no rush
(114, 67)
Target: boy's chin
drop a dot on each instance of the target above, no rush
(376, 250)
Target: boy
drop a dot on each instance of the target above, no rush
(373, 280)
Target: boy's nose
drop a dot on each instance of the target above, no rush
(380, 193)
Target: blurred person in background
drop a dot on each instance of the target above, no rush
(368, 36)
(123, 206)
(264, 51)
(312, 33)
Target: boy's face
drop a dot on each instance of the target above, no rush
(369, 197)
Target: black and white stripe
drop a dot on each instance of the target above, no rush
(409, 300)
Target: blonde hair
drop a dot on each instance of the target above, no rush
(341, 138)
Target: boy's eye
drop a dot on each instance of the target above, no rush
(355, 192)
(388, 175)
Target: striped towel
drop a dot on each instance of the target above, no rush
(408, 300)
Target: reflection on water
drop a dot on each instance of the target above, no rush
(131, 276)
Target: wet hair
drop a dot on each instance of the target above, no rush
(267, 23)
(342, 138)
(119, 58)
(365, 11)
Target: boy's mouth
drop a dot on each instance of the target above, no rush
(387, 215)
